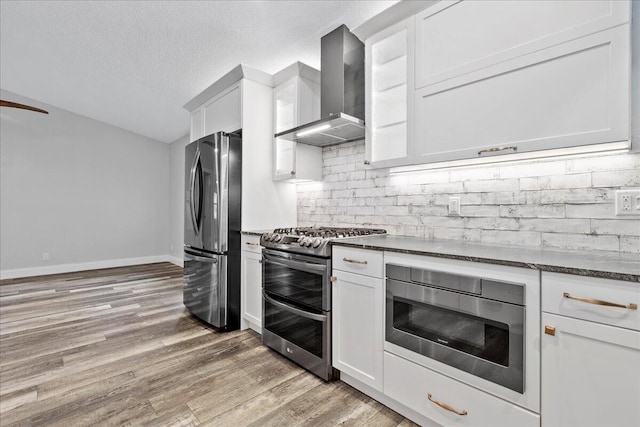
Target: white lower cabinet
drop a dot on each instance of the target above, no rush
(447, 401)
(590, 352)
(358, 333)
(251, 283)
(590, 374)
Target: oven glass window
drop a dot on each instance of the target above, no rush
(483, 338)
(294, 285)
(301, 331)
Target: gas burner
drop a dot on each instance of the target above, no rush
(312, 240)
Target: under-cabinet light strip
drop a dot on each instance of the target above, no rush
(313, 130)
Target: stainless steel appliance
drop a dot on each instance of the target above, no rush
(471, 323)
(296, 315)
(212, 215)
(341, 93)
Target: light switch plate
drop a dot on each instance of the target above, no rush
(628, 202)
(454, 206)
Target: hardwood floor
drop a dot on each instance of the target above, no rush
(117, 347)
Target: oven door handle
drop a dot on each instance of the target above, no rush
(301, 313)
(298, 265)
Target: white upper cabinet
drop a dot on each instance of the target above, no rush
(455, 38)
(575, 93)
(389, 95)
(224, 113)
(497, 77)
(470, 79)
(296, 98)
(197, 124)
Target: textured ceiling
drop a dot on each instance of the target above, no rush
(133, 64)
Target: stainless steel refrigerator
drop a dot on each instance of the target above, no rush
(213, 185)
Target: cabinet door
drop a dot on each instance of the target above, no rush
(252, 289)
(590, 374)
(389, 95)
(572, 94)
(223, 113)
(358, 327)
(455, 38)
(197, 124)
(296, 102)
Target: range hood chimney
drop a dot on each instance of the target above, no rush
(341, 93)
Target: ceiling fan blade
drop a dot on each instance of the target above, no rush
(22, 106)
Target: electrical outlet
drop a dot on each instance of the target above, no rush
(454, 206)
(628, 202)
(45, 256)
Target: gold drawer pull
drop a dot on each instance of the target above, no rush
(445, 406)
(354, 261)
(630, 306)
(252, 244)
(550, 330)
(496, 149)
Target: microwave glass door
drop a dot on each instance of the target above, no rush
(479, 337)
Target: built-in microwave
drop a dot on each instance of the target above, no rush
(474, 324)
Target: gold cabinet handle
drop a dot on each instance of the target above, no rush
(630, 306)
(493, 150)
(550, 330)
(445, 406)
(354, 261)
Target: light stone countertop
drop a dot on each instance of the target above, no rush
(605, 264)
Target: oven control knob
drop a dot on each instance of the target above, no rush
(316, 242)
(306, 241)
(301, 241)
(276, 238)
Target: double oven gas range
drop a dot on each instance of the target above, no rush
(296, 290)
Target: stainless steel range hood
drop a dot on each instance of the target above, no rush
(341, 93)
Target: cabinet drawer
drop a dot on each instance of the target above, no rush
(359, 261)
(412, 385)
(560, 293)
(251, 243)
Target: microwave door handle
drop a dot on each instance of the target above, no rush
(192, 191)
(298, 265)
(297, 311)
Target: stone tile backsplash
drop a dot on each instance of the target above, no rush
(556, 203)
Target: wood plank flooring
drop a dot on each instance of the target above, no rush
(117, 347)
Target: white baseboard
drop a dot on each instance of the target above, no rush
(81, 266)
(175, 260)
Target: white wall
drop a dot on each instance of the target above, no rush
(89, 194)
(176, 197)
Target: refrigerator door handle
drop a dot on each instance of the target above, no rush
(198, 257)
(192, 190)
(220, 165)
